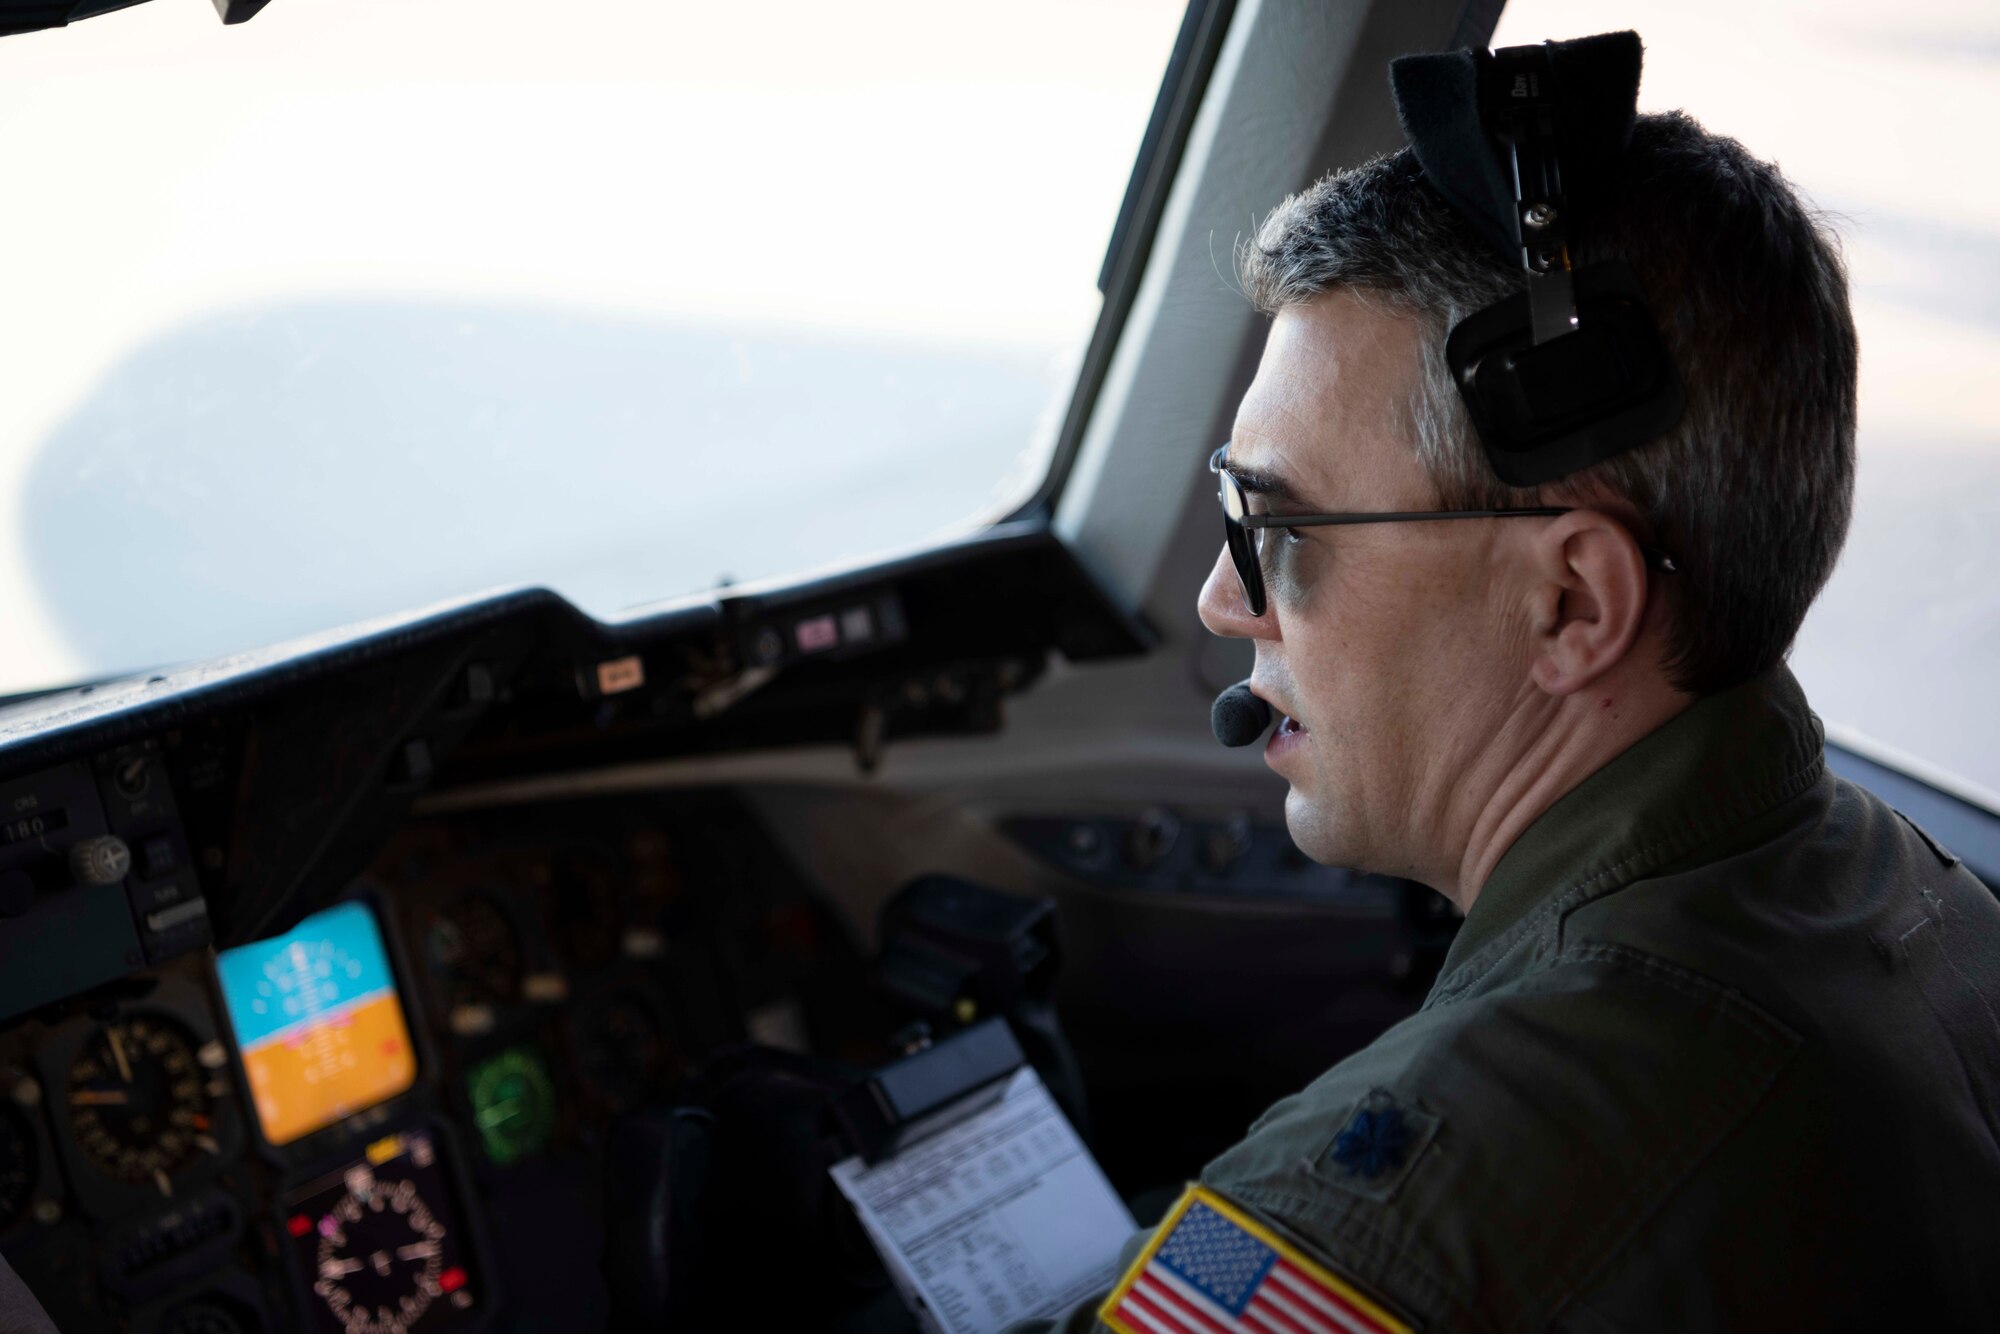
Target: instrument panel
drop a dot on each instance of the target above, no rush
(559, 966)
(390, 1117)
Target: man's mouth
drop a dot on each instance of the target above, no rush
(1287, 736)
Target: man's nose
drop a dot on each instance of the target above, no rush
(1223, 609)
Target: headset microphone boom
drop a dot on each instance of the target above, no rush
(1238, 716)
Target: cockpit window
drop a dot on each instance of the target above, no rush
(1879, 112)
(365, 305)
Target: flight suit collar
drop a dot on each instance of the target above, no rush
(1727, 758)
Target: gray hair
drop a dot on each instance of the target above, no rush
(1751, 492)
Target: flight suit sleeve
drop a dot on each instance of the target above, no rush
(1472, 1169)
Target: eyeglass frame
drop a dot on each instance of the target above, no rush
(1238, 522)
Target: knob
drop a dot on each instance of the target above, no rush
(1085, 842)
(103, 860)
(1153, 836)
(1226, 843)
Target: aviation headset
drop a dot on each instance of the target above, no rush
(1570, 371)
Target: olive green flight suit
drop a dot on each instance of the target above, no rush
(1716, 1048)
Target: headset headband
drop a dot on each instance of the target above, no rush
(1571, 371)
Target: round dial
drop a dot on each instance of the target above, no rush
(621, 1051)
(380, 1263)
(19, 1164)
(474, 948)
(137, 1102)
(584, 908)
(513, 1104)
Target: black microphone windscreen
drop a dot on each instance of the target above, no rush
(1238, 716)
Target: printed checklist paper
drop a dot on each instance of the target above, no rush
(1001, 1216)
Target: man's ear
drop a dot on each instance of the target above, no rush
(1588, 602)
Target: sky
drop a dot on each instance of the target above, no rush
(938, 174)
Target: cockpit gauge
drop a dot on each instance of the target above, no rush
(138, 1100)
(583, 908)
(378, 1242)
(318, 1020)
(475, 952)
(381, 1256)
(20, 1166)
(513, 1103)
(25, 1155)
(621, 1048)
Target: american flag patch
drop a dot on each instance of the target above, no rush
(1210, 1267)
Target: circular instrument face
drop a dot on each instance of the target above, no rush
(621, 1051)
(513, 1104)
(584, 907)
(20, 1161)
(137, 1102)
(381, 1256)
(378, 1243)
(474, 948)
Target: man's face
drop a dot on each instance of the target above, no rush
(1388, 645)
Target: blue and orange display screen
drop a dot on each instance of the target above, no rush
(317, 1018)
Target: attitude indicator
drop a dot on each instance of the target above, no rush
(318, 1019)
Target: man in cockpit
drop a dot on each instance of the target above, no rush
(1717, 1044)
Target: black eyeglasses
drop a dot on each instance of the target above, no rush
(1245, 531)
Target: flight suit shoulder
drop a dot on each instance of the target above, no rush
(1480, 1162)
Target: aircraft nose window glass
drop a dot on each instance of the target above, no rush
(365, 305)
(1879, 113)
